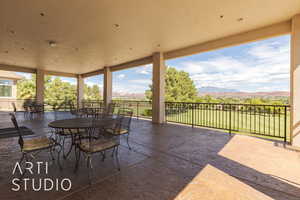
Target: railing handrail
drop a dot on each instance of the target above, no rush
(236, 104)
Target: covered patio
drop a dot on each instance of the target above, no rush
(169, 162)
(80, 39)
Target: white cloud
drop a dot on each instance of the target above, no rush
(147, 69)
(90, 83)
(141, 81)
(129, 88)
(264, 66)
(121, 76)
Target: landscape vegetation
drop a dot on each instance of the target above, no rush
(266, 114)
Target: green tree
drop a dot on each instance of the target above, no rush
(26, 88)
(179, 87)
(92, 92)
(57, 91)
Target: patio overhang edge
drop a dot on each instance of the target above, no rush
(126, 65)
(15, 68)
(273, 30)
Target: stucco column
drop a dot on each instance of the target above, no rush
(80, 90)
(40, 77)
(295, 81)
(107, 86)
(14, 89)
(158, 84)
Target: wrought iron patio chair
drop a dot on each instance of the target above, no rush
(75, 111)
(33, 146)
(35, 109)
(110, 109)
(66, 133)
(123, 128)
(92, 144)
(15, 109)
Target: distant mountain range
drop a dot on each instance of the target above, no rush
(224, 92)
(216, 89)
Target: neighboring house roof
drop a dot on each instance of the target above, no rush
(10, 75)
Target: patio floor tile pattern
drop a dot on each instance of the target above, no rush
(169, 162)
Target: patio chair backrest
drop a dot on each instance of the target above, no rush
(14, 121)
(126, 115)
(110, 109)
(73, 109)
(14, 106)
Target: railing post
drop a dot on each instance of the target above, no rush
(137, 110)
(229, 119)
(285, 123)
(193, 115)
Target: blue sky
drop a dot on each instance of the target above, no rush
(252, 67)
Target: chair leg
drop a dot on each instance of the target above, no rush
(24, 155)
(103, 155)
(63, 146)
(117, 157)
(51, 153)
(77, 156)
(58, 156)
(113, 152)
(127, 140)
(90, 167)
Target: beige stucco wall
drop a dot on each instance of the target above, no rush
(295, 81)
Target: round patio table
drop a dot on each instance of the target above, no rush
(81, 123)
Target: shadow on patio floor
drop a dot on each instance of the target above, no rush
(170, 162)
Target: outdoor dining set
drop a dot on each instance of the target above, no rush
(89, 131)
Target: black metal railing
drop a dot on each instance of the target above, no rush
(141, 109)
(270, 121)
(92, 103)
(49, 105)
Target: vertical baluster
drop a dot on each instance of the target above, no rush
(285, 123)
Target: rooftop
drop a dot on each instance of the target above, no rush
(10, 75)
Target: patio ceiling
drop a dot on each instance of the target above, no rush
(92, 34)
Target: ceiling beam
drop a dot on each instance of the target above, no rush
(134, 63)
(92, 73)
(64, 74)
(15, 68)
(127, 65)
(237, 39)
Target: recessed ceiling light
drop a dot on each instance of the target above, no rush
(52, 43)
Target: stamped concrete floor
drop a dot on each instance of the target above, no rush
(167, 162)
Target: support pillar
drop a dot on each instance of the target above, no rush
(80, 91)
(158, 88)
(107, 86)
(295, 81)
(40, 82)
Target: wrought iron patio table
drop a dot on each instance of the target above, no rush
(81, 123)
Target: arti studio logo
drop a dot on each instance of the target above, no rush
(38, 184)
